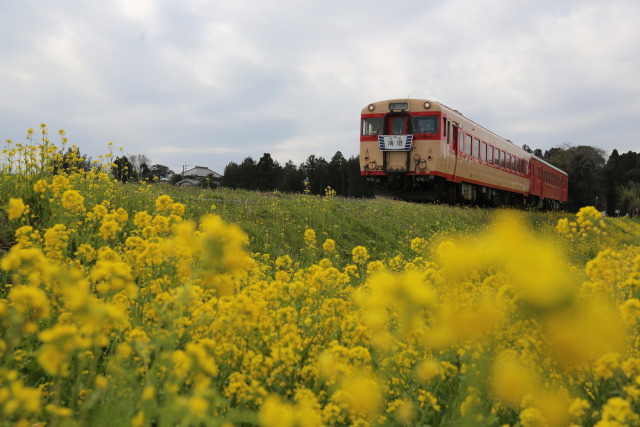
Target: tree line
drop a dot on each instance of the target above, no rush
(315, 176)
(611, 184)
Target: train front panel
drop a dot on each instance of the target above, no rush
(405, 142)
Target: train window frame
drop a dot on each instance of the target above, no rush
(392, 121)
(496, 159)
(433, 119)
(476, 148)
(483, 151)
(490, 157)
(461, 143)
(509, 158)
(469, 143)
(369, 120)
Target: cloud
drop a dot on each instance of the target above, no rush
(211, 82)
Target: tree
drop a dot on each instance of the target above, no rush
(121, 169)
(72, 161)
(584, 166)
(135, 162)
(161, 171)
(231, 177)
(267, 173)
(338, 174)
(291, 179)
(612, 180)
(243, 175)
(630, 199)
(357, 185)
(176, 178)
(316, 170)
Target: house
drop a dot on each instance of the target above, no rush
(200, 172)
(188, 182)
(199, 175)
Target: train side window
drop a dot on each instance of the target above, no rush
(476, 148)
(467, 147)
(461, 142)
(513, 164)
(496, 159)
(509, 167)
(503, 160)
(372, 126)
(517, 165)
(483, 152)
(424, 124)
(490, 155)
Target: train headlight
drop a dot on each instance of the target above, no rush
(371, 107)
(427, 105)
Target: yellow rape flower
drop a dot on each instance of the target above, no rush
(29, 299)
(363, 395)
(310, 237)
(618, 411)
(275, 413)
(109, 229)
(164, 203)
(329, 245)
(511, 380)
(360, 255)
(73, 201)
(177, 209)
(16, 208)
(531, 417)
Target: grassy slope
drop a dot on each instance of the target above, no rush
(276, 223)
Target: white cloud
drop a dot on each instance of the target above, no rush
(178, 81)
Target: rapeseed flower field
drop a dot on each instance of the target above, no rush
(119, 306)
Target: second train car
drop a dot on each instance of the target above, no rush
(417, 149)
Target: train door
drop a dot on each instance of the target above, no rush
(451, 154)
(397, 161)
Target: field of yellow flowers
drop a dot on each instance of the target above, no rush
(137, 304)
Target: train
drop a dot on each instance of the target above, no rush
(422, 150)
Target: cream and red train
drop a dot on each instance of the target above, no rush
(422, 150)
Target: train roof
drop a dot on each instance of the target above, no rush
(416, 104)
(549, 164)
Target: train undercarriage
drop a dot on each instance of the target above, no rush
(436, 189)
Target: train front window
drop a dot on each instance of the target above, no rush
(396, 125)
(424, 124)
(372, 126)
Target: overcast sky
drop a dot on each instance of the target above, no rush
(203, 82)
